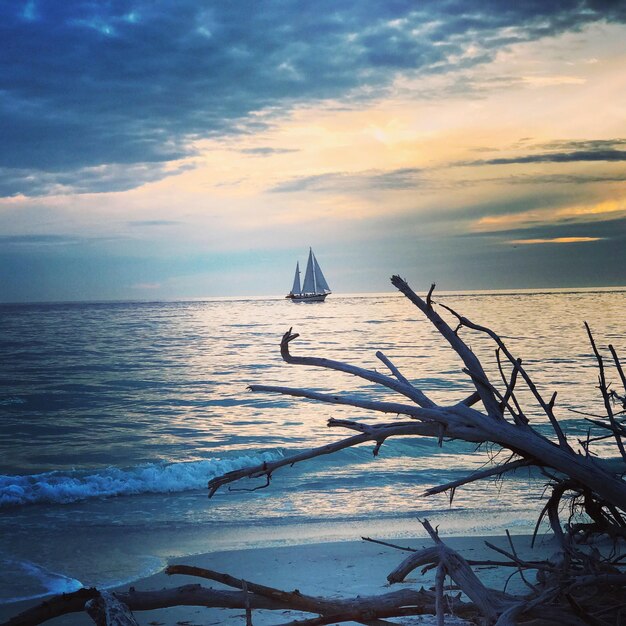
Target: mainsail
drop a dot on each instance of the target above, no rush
(320, 281)
(314, 281)
(309, 276)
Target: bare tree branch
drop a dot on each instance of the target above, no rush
(605, 393)
(530, 384)
(402, 385)
(469, 358)
(498, 470)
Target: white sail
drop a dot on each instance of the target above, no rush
(314, 287)
(309, 285)
(295, 290)
(320, 281)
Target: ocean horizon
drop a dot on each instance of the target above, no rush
(357, 294)
(117, 413)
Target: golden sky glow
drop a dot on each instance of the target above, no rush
(522, 142)
(554, 240)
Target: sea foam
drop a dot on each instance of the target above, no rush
(42, 581)
(76, 485)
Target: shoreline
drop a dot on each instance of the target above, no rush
(333, 569)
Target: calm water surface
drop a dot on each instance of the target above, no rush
(115, 415)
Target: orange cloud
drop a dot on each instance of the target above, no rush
(607, 209)
(554, 240)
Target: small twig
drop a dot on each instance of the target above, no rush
(389, 545)
(439, 595)
(492, 471)
(518, 417)
(605, 394)
(379, 443)
(429, 302)
(246, 599)
(518, 560)
(393, 369)
(618, 366)
(268, 479)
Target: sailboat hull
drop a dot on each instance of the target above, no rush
(310, 297)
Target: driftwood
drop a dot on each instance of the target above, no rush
(594, 488)
(106, 610)
(366, 610)
(579, 586)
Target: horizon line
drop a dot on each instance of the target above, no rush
(361, 294)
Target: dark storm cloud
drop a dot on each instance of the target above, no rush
(85, 84)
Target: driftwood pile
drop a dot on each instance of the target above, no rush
(586, 503)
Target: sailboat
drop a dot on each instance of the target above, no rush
(315, 288)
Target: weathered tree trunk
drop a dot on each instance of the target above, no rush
(106, 610)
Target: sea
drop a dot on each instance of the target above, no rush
(115, 415)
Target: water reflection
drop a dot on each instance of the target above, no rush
(168, 380)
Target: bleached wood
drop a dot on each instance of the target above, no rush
(463, 422)
(546, 406)
(372, 434)
(365, 609)
(469, 358)
(106, 610)
(400, 384)
(605, 394)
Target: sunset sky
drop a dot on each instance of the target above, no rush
(193, 149)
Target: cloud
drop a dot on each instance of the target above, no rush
(559, 179)
(608, 229)
(266, 151)
(554, 240)
(491, 222)
(555, 157)
(97, 179)
(343, 182)
(150, 223)
(118, 85)
(38, 240)
(584, 144)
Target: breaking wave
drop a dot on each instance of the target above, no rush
(76, 485)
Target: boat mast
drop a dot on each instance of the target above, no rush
(313, 263)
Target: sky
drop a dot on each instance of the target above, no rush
(190, 149)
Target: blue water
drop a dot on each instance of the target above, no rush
(115, 415)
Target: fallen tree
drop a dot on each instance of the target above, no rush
(582, 586)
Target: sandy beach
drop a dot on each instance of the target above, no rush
(337, 569)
